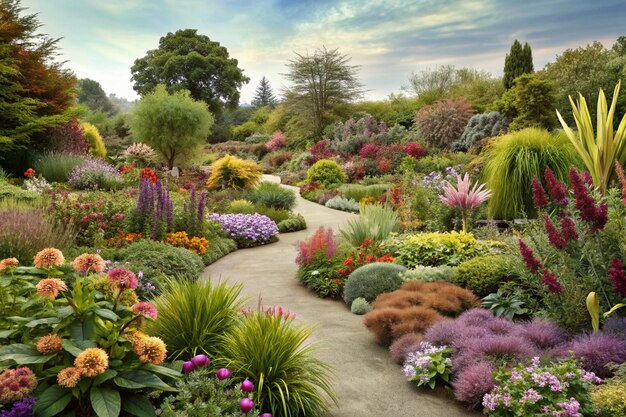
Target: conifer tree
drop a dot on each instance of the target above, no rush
(518, 61)
(264, 96)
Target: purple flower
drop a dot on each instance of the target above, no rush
(531, 396)
(471, 384)
(188, 367)
(92, 174)
(247, 386)
(222, 374)
(250, 228)
(21, 408)
(596, 350)
(246, 404)
(200, 360)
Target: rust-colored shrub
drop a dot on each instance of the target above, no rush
(380, 322)
(416, 319)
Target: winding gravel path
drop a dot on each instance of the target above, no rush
(367, 382)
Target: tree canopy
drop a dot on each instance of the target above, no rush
(91, 94)
(518, 61)
(172, 124)
(186, 60)
(264, 96)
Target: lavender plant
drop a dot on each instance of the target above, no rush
(247, 229)
(95, 174)
(154, 214)
(192, 218)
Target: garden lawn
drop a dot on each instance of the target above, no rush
(366, 380)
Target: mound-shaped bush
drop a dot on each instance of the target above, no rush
(326, 172)
(371, 280)
(232, 172)
(483, 275)
(273, 195)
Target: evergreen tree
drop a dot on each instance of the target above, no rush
(264, 96)
(518, 61)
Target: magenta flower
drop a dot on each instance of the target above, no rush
(463, 197)
(144, 308)
(540, 198)
(223, 373)
(200, 360)
(247, 386)
(532, 263)
(557, 189)
(188, 367)
(123, 278)
(246, 404)
(617, 273)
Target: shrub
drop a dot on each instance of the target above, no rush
(414, 150)
(360, 306)
(429, 273)
(273, 195)
(56, 167)
(247, 229)
(513, 160)
(232, 172)
(596, 351)
(483, 275)
(349, 137)
(435, 249)
(609, 397)
(357, 192)
(374, 223)
(443, 123)
(371, 280)
(434, 163)
(93, 138)
(292, 224)
(318, 263)
(171, 261)
(326, 172)
(277, 141)
(140, 154)
(218, 248)
(479, 127)
(277, 215)
(195, 316)
(11, 192)
(405, 344)
(95, 174)
(291, 381)
(277, 159)
(241, 207)
(343, 204)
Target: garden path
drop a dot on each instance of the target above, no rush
(367, 382)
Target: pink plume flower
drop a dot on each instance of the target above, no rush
(463, 197)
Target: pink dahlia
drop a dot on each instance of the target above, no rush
(145, 309)
(123, 278)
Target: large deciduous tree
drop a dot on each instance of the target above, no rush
(318, 82)
(519, 61)
(186, 60)
(172, 124)
(91, 94)
(36, 93)
(264, 96)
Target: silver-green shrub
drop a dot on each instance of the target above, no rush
(429, 273)
(371, 280)
(343, 204)
(360, 306)
(481, 126)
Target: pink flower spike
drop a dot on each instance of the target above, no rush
(464, 198)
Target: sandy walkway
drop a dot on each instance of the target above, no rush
(367, 382)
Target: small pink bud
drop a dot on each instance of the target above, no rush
(222, 374)
(188, 367)
(266, 415)
(246, 404)
(247, 386)
(200, 361)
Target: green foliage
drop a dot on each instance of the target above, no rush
(609, 396)
(429, 273)
(481, 126)
(232, 172)
(483, 275)
(218, 248)
(241, 206)
(514, 159)
(360, 306)
(292, 224)
(443, 123)
(435, 249)
(518, 61)
(504, 305)
(56, 167)
(194, 317)
(172, 124)
(277, 215)
(428, 164)
(11, 192)
(371, 280)
(188, 61)
(290, 380)
(263, 95)
(529, 103)
(375, 222)
(273, 195)
(357, 192)
(91, 94)
(326, 172)
(172, 261)
(343, 204)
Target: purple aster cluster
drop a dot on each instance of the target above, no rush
(92, 173)
(247, 229)
(426, 363)
(21, 408)
(436, 181)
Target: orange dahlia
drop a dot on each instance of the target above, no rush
(8, 263)
(50, 288)
(89, 262)
(49, 257)
(68, 377)
(92, 362)
(151, 350)
(50, 344)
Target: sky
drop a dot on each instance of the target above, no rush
(388, 39)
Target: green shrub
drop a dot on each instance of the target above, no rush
(273, 195)
(93, 138)
(428, 164)
(326, 172)
(360, 306)
(195, 316)
(218, 248)
(429, 273)
(609, 397)
(513, 160)
(292, 224)
(343, 204)
(483, 275)
(374, 223)
(56, 167)
(435, 249)
(356, 191)
(11, 192)
(277, 215)
(240, 207)
(171, 260)
(272, 351)
(371, 280)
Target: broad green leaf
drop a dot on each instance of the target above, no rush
(106, 314)
(106, 402)
(138, 405)
(137, 379)
(52, 401)
(6, 333)
(22, 354)
(47, 320)
(107, 375)
(161, 370)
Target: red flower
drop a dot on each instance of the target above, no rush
(414, 150)
(540, 198)
(550, 281)
(384, 166)
(568, 228)
(554, 236)
(370, 259)
(617, 273)
(338, 281)
(557, 189)
(30, 173)
(532, 263)
(348, 261)
(148, 174)
(586, 205)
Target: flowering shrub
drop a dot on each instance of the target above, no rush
(349, 137)
(428, 364)
(247, 229)
(555, 389)
(95, 174)
(276, 142)
(37, 184)
(366, 253)
(140, 154)
(196, 244)
(318, 262)
(154, 215)
(414, 149)
(320, 150)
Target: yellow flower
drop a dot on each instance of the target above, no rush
(50, 288)
(151, 350)
(49, 257)
(8, 263)
(68, 377)
(92, 362)
(88, 262)
(50, 344)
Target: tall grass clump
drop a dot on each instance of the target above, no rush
(273, 195)
(56, 167)
(270, 349)
(194, 316)
(514, 159)
(374, 223)
(25, 230)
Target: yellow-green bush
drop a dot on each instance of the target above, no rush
(327, 172)
(93, 138)
(483, 275)
(609, 398)
(240, 207)
(232, 172)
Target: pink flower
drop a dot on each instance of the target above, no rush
(123, 278)
(568, 228)
(550, 281)
(462, 197)
(540, 198)
(555, 237)
(532, 263)
(144, 308)
(557, 189)
(617, 273)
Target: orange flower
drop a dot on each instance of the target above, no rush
(50, 344)
(68, 377)
(50, 288)
(151, 350)
(8, 263)
(92, 362)
(49, 257)
(88, 262)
